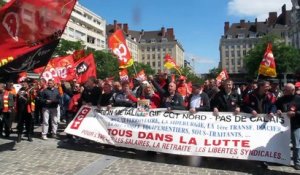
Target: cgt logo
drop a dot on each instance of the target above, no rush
(81, 115)
(11, 24)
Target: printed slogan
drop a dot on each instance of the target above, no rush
(241, 136)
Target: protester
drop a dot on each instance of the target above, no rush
(227, 100)
(123, 98)
(290, 103)
(260, 101)
(91, 93)
(275, 88)
(25, 109)
(172, 100)
(2, 87)
(50, 99)
(198, 100)
(148, 93)
(8, 109)
(105, 99)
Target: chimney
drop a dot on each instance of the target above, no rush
(125, 28)
(163, 32)
(256, 25)
(284, 14)
(226, 27)
(283, 9)
(170, 32)
(272, 18)
(115, 25)
(242, 23)
(119, 26)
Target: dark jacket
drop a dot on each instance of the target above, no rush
(50, 94)
(261, 104)
(290, 103)
(226, 103)
(105, 99)
(121, 99)
(90, 95)
(176, 102)
(205, 103)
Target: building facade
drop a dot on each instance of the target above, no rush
(241, 37)
(295, 24)
(86, 26)
(150, 47)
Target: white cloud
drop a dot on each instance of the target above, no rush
(198, 59)
(256, 8)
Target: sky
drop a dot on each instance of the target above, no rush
(198, 24)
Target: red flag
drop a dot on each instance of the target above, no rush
(117, 44)
(267, 66)
(85, 68)
(30, 31)
(59, 68)
(141, 76)
(123, 73)
(170, 63)
(22, 76)
(222, 76)
(77, 54)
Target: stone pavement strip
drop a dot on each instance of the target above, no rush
(57, 157)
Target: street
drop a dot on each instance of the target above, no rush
(55, 156)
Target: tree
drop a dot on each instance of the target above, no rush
(107, 64)
(213, 73)
(190, 75)
(66, 47)
(286, 57)
(2, 3)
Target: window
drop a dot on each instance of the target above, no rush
(71, 32)
(226, 47)
(232, 46)
(148, 57)
(241, 36)
(143, 57)
(148, 49)
(232, 53)
(98, 42)
(227, 62)
(153, 63)
(153, 56)
(159, 64)
(153, 48)
(158, 48)
(238, 53)
(229, 36)
(152, 40)
(232, 61)
(244, 52)
(143, 49)
(227, 54)
(239, 62)
(90, 39)
(79, 35)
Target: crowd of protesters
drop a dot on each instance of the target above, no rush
(49, 103)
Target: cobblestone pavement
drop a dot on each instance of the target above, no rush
(54, 156)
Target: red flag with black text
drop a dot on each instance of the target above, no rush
(30, 31)
(85, 68)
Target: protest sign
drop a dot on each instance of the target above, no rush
(180, 132)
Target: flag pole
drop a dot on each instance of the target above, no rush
(43, 71)
(134, 68)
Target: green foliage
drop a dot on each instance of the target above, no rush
(213, 73)
(2, 3)
(138, 67)
(190, 75)
(107, 65)
(286, 57)
(66, 47)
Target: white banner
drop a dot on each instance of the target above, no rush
(179, 132)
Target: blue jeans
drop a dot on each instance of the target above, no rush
(296, 146)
